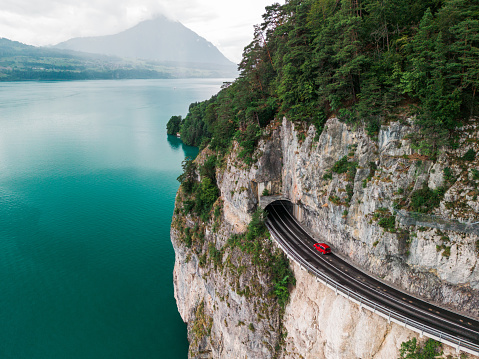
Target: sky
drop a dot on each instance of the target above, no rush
(227, 24)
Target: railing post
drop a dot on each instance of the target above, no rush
(389, 318)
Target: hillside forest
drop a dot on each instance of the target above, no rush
(365, 61)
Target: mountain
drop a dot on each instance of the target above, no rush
(159, 39)
(20, 62)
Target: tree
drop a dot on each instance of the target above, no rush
(173, 125)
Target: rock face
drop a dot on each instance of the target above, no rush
(344, 186)
(438, 266)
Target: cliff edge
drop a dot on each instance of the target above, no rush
(397, 215)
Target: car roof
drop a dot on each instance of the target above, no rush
(322, 244)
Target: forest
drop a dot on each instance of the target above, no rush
(365, 61)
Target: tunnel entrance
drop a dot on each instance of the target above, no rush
(283, 203)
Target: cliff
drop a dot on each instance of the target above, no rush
(353, 192)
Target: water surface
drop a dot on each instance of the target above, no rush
(87, 188)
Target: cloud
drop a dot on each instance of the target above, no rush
(225, 23)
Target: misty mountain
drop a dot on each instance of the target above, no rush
(159, 39)
(20, 62)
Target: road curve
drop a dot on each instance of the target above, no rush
(298, 243)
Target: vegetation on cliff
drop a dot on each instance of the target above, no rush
(247, 264)
(366, 60)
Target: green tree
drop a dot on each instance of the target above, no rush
(173, 125)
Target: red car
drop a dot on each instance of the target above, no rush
(323, 248)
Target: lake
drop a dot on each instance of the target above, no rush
(87, 189)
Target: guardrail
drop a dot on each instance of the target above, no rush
(368, 304)
(435, 221)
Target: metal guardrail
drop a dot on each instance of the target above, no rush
(363, 302)
(435, 221)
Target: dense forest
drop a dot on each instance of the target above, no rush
(364, 61)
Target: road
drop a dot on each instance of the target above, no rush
(298, 243)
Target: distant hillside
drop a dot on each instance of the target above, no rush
(20, 62)
(159, 39)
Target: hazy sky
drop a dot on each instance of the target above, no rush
(227, 24)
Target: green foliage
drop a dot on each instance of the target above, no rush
(207, 194)
(202, 324)
(360, 61)
(341, 166)
(173, 125)
(385, 219)
(200, 196)
(188, 177)
(412, 350)
(449, 176)
(372, 128)
(248, 139)
(334, 199)
(265, 192)
(208, 169)
(328, 176)
(425, 200)
(475, 174)
(387, 223)
(344, 166)
(470, 155)
(215, 255)
(349, 192)
(257, 243)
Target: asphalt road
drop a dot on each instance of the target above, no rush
(295, 238)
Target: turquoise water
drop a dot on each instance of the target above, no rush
(87, 188)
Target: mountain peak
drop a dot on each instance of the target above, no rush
(158, 39)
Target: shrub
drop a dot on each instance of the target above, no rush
(255, 242)
(388, 223)
(411, 349)
(448, 175)
(446, 252)
(475, 174)
(209, 168)
(425, 200)
(470, 155)
(335, 199)
(215, 255)
(349, 192)
(372, 128)
(341, 166)
(265, 192)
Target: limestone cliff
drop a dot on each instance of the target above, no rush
(352, 192)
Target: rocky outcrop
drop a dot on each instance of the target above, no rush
(438, 266)
(226, 301)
